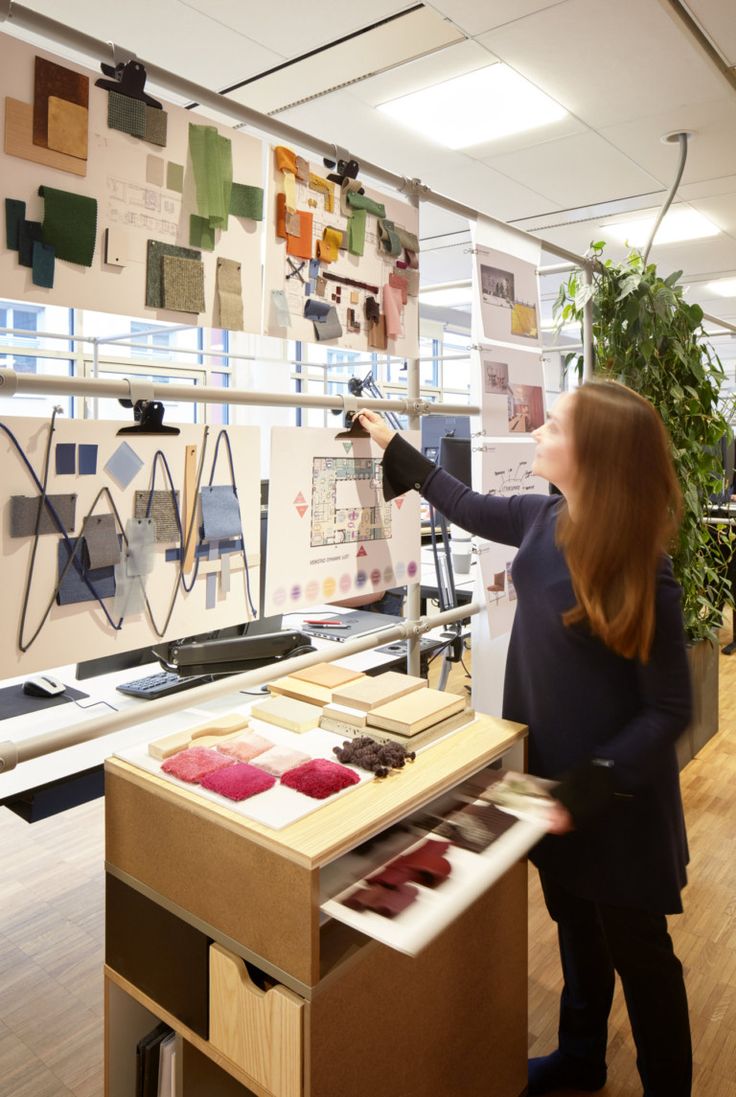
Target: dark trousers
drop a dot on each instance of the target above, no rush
(597, 940)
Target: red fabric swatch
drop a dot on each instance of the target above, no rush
(238, 782)
(195, 763)
(319, 778)
(384, 901)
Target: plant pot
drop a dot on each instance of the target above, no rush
(703, 661)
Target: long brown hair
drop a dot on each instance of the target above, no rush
(628, 508)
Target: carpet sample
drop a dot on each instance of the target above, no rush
(195, 763)
(183, 284)
(238, 782)
(246, 201)
(155, 253)
(279, 760)
(43, 264)
(163, 510)
(69, 224)
(126, 114)
(155, 126)
(246, 747)
(320, 778)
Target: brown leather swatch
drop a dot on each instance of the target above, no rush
(52, 79)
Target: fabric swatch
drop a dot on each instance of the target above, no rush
(201, 234)
(163, 511)
(246, 747)
(155, 126)
(399, 282)
(212, 161)
(285, 159)
(229, 294)
(329, 246)
(123, 465)
(292, 223)
(377, 337)
(408, 240)
(279, 760)
(281, 215)
(101, 545)
(238, 782)
(302, 169)
(139, 551)
(362, 201)
(175, 177)
(330, 327)
(346, 187)
(301, 246)
(280, 305)
(388, 902)
(220, 512)
(225, 575)
(154, 268)
(69, 224)
(66, 458)
(194, 763)
(412, 282)
(325, 187)
(319, 778)
(73, 588)
(316, 310)
(392, 311)
(387, 238)
(183, 284)
(246, 201)
(63, 83)
(43, 264)
(15, 215)
(126, 114)
(28, 233)
(210, 598)
(130, 597)
(87, 460)
(24, 510)
(155, 170)
(290, 189)
(68, 124)
(356, 232)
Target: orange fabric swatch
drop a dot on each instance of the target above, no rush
(285, 159)
(301, 246)
(281, 215)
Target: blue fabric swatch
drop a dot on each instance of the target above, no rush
(220, 512)
(202, 552)
(28, 231)
(66, 456)
(87, 460)
(15, 215)
(316, 310)
(123, 465)
(73, 587)
(44, 261)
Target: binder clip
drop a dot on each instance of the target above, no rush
(127, 78)
(353, 428)
(149, 418)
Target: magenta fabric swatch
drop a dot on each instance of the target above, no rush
(319, 778)
(278, 760)
(246, 747)
(392, 311)
(195, 763)
(238, 782)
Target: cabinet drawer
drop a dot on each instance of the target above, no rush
(261, 1031)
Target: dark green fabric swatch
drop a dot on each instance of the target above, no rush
(126, 114)
(212, 160)
(28, 232)
(175, 177)
(69, 224)
(156, 126)
(15, 214)
(246, 201)
(201, 235)
(43, 264)
(154, 268)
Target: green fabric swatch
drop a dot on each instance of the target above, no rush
(246, 201)
(154, 268)
(212, 160)
(201, 235)
(43, 265)
(356, 232)
(28, 233)
(156, 126)
(69, 224)
(388, 238)
(362, 201)
(15, 215)
(175, 177)
(126, 114)
(408, 239)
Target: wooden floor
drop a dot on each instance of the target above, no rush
(51, 940)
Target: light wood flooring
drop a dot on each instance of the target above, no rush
(51, 940)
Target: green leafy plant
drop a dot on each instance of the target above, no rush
(647, 336)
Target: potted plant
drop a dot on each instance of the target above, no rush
(646, 335)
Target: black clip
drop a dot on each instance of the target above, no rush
(149, 418)
(345, 169)
(353, 427)
(127, 78)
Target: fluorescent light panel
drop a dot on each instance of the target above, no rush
(677, 226)
(474, 108)
(724, 287)
(450, 295)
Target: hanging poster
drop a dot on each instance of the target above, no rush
(512, 386)
(331, 536)
(509, 298)
(498, 586)
(507, 469)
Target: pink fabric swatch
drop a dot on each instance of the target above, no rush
(392, 310)
(195, 763)
(238, 782)
(278, 760)
(319, 778)
(245, 747)
(400, 283)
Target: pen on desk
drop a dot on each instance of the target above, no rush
(326, 624)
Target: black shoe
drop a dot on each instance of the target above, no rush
(549, 1073)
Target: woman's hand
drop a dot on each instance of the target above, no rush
(559, 819)
(376, 427)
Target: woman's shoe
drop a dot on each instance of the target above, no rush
(549, 1073)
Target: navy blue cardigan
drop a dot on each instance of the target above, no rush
(603, 725)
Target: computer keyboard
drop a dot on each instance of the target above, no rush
(161, 684)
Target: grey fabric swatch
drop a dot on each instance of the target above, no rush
(126, 114)
(280, 308)
(316, 310)
(211, 595)
(24, 508)
(101, 545)
(213, 550)
(220, 512)
(139, 558)
(183, 284)
(155, 170)
(123, 465)
(225, 574)
(229, 290)
(154, 268)
(163, 511)
(129, 594)
(73, 587)
(156, 126)
(330, 327)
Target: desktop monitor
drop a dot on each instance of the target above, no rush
(437, 427)
(454, 457)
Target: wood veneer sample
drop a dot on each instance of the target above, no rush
(19, 140)
(356, 717)
(327, 674)
(291, 686)
(287, 713)
(368, 693)
(206, 734)
(52, 79)
(67, 128)
(416, 711)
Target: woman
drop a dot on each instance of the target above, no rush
(597, 669)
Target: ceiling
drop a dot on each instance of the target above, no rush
(626, 72)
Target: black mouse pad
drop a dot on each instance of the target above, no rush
(14, 702)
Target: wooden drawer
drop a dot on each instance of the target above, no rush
(260, 1031)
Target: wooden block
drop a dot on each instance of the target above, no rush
(416, 711)
(356, 717)
(368, 693)
(214, 730)
(68, 125)
(19, 140)
(327, 674)
(190, 504)
(287, 713)
(291, 686)
(420, 738)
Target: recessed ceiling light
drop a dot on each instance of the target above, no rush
(724, 287)
(447, 296)
(474, 108)
(678, 225)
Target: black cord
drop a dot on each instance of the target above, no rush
(93, 705)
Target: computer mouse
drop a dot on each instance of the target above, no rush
(43, 685)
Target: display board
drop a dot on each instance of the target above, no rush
(106, 561)
(331, 536)
(155, 213)
(341, 260)
(509, 297)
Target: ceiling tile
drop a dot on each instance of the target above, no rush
(608, 62)
(717, 19)
(474, 18)
(454, 60)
